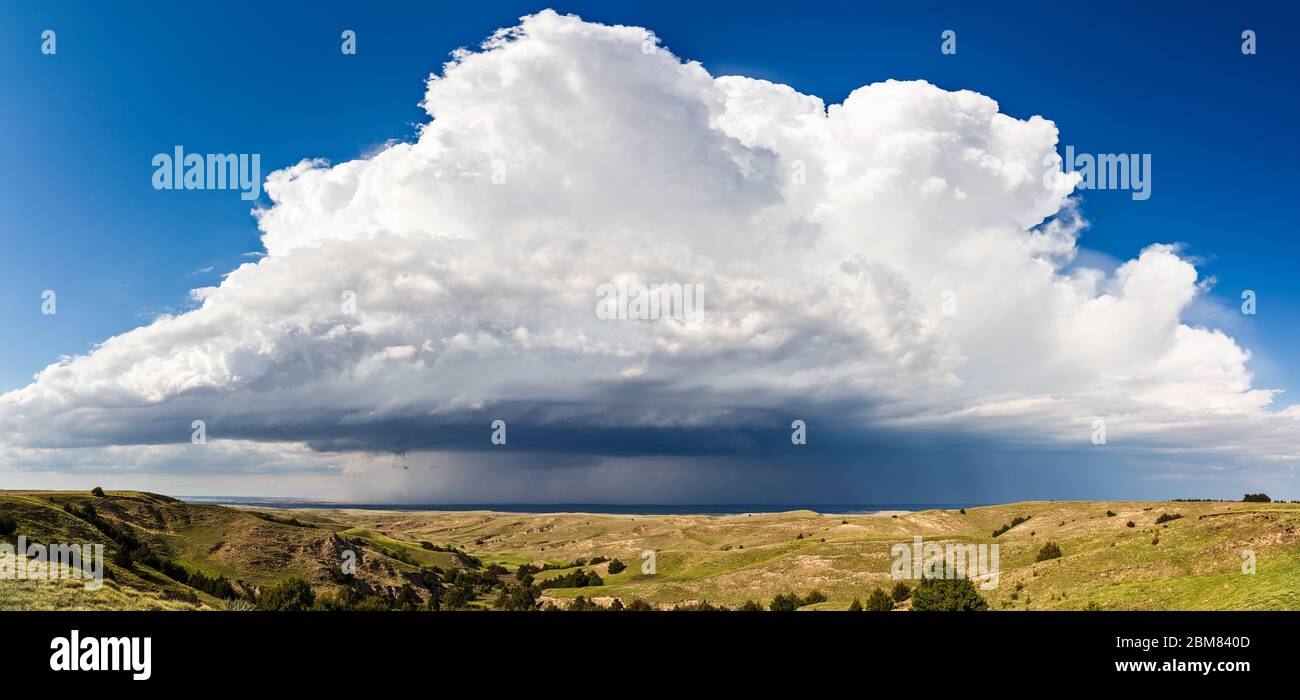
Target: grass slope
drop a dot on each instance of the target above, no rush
(1193, 562)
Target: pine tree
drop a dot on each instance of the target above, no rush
(879, 601)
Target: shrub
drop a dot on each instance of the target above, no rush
(1110, 514)
(751, 606)
(1166, 517)
(901, 592)
(8, 524)
(1130, 524)
(638, 605)
(122, 557)
(616, 566)
(1049, 551)
(855, 606)
(962, 511)
(702, 606)
(97, 491)
(576, 579)
(291, 594)
(1256, 498)
(519, 598)
(1014, 522)
(1092, 606)
(456, 597)
(947, 594)
(879, 601)
(784, 602)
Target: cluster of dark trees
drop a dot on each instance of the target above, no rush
(571, 565)
(294, 522)
(520, 597)
(582, 604)
(524, 595)
(880, 601)
(293, 594)
(131, 552)
(1014, 522)
(947, 594)
(1256, 498)
(215, 586)
(784, 602)
(1166, 517)
(575, 579)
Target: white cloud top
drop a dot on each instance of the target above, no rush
(896, 260)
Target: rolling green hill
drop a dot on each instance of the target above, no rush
(410, 558)
(250, 550)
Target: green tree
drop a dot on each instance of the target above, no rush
(855, 606)
(616, 566)
(1049, 551)
(456, 597)
(518, 598)
(97, 491)
(947, 594)
(291, 594)
(751, 606)
(901, 592)
(784, 602)
(879, 601)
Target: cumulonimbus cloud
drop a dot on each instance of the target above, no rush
(899, 259)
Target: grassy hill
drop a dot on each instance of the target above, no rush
(251, 550)
(409, 557)
(1196, 563)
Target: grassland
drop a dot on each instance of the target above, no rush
(1191, 563)
(1195, 565)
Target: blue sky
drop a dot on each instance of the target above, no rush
(78, 129)
(133, 79)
